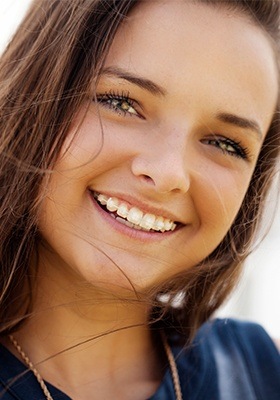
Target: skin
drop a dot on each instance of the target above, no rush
(158, 154)
(164, 157)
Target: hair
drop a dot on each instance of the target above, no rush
(45, 74)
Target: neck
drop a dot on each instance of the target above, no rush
(87, 346)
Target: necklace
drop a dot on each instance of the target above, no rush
(169, 355)
(31, 367)
(173, 367)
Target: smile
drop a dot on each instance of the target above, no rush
(133, 216)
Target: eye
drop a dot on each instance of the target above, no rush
(228, 146)
(119, 103)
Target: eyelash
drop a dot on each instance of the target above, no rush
(114, 101)
(239, 150)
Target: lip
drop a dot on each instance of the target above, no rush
(132, 202)
(126, 230)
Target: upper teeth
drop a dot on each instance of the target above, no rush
(134, 215)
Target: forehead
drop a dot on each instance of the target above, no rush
(188, 48)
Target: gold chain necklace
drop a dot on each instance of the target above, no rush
(169, 354)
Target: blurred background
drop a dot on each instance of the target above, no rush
(257, 297)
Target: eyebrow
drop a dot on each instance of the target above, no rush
(143, 83)
(240, 122)
(158, 90)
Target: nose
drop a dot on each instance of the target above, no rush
(163, 168)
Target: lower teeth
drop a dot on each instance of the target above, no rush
(129, 224)
(125, 222)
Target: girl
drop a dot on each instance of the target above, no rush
(138, 142)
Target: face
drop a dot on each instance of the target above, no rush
(185, 99)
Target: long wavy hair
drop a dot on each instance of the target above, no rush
(45, 75)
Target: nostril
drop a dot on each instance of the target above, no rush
(147, 179)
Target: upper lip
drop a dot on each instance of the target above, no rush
(147, 208)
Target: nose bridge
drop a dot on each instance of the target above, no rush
(165, 164)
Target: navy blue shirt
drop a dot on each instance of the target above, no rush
(228, 360)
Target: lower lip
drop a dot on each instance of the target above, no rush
(126, 230)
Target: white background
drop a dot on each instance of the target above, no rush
(258, 295)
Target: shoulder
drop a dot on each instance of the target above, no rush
(229, 359)
(239, 337)
(241, 333)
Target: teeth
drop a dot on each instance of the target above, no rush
(102, 199)
(122, 210)
(133, 217)
(168, 225)
(147, 221)
(124, 222)
(159, 224)
(112, 204)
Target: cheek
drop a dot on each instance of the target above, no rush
(83, 142)
(221, 195)
(91, 149)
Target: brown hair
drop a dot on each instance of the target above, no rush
(45, 74)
